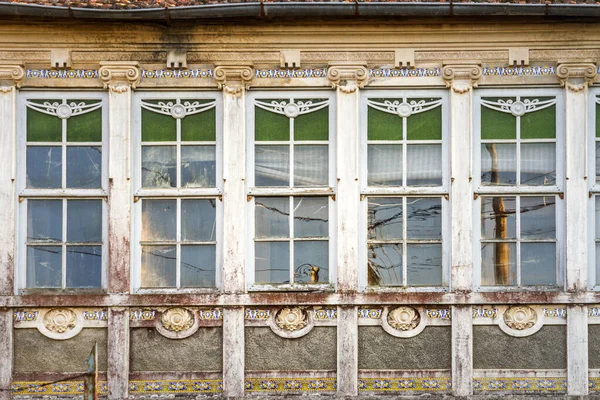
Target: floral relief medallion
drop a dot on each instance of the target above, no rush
(520, 317)
(60, 320)
(404, 318)
(177, 319)
(291, 319)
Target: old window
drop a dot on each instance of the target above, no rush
(177, 189)
(291, 154)
(62, 187)
(594, 167)
(519, 187)
(405, 187)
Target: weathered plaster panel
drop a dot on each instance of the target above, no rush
(493, 349)
(35, 352)
(431, 349)
(267, 351)
(594, 346)
(150, 351)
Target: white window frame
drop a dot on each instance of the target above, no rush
(594, 187)
(285, 191)
(139, 193)
(441, 191)
(519, 191)
(63, 193)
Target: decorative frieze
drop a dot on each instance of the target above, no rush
(290, 385)
(420, 384)
(177, 73)
(404, 72)
(289, 73)
(54, 389)
(176, 386)
(518, 71)
(520, 384)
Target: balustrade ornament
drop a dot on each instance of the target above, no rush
(404, 318)
(520, 317)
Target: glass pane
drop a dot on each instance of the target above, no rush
(311, 216)
(424, 165)
(539, 124)
(424, 218)
(159, 220)
(159, 166)
(385, 218)
(44, 167)
(159, 266)
(158, 127)
(311, 262)
(498, 164)
(272, 262)
(382, 125)
(198, 166)
(424, 264)
(426, 125)
(84, 167)
(44, 220)
(538, 264)
(538, 220)
(199, 127)
(312, 126)
(272, 217)
(198, 266)
(311, 165)
(85, 127)
(598, 222)
(597, 162)
(538, 164)
(497, 124)
(84, 221)
(270, 126)
(44, 266)
(84, 266)
(498, 264)
(43, 127)
(272, 166)
(498, 217)
(198, 221)
(384, 164)
(597, 264)
(385, 265)
(597, 119)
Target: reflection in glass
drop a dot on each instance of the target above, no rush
(385, 218)
(598, 161)
(159, 166)
(538, 219)
(272, 262)
(198, 221)
(424, 218)
(159, 266)
(424, 264)
(44, 167)
(498, 217)
(84, 221)
(44, 266)
(385, 265)
(538, 264)
(311, 216)
(198, 166)
(44, 221)
(498, 164)
(424, 165)
(597, 213)
(84, 266)
(384, 164)
(272, 166)
(159, 220)
(538, 164)
(311, 165)
(311, 261)
(198, 266)
(272, 217)
(84, 167)
(498, 264)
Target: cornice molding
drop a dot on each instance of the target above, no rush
(11, 76)
(348, 78)
(461, 77)
(576, 76)
(119, 76)
(233, 79)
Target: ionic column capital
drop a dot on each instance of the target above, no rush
(348, 78)
(233, 79)
(461, 77)
(119, 76)
(576, 76)
(11, 76)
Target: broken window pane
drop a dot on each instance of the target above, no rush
(311, 216)
(272, 217)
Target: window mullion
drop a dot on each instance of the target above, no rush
(64, 246)
(291, 241)
(518, 232)
(404, 243)
(178, 245)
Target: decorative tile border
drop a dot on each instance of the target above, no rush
(27, 316)
(593, 311)
(370, 313)
(518, 71)
(285, 73)
(177, 73)
(54, 389)
(485, 312)
(594, 384)
(142, 315)
(405, 384)
(290, 385)
(176, 386)
(257, 314)
(62, 73)
(555, 312)
(210, 314)
(325, 314)
(520, 384)
(101, 315)
(441, 313)
(404, 72)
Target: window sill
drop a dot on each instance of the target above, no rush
(326, 287)
(405, 289)
(200, 291)
(61, 292)
(518, 289)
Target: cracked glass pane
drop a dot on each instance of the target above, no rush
(44, 167)
(159, 166)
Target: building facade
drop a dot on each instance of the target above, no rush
(347, 199)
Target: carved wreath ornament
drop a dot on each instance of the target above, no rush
(404, 318)
(177, 319)
(291, 319)
(520, 317)
(60, 320)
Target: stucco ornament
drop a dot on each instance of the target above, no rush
(60, 320)
(520, 317)
(291, 319)
(177, 319)
(404, 318)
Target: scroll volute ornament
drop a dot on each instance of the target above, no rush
(461, 77)
(582, 75)
(177, 319)
(60, 320)
(520, 317)
(233, 79)
(404, 318)
(348, 77)
(11, 76)
(119, 76)
(291, 319)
